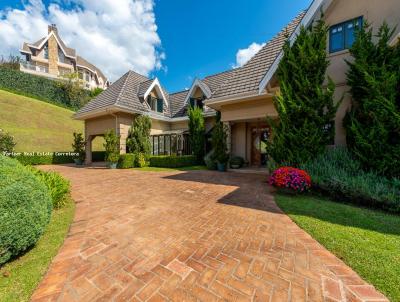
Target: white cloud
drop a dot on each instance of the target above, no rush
(244, 55)
(114, 36)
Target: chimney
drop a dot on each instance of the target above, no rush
(51, 28)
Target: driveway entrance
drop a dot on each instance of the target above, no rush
(189, 236)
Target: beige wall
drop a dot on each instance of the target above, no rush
(239, 140)
(375, 12)
(248, 110)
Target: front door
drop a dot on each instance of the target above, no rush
(259, 137)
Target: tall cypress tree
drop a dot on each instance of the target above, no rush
(197, 132)
(373, 124)
(305, 105)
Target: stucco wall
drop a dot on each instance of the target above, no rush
(248, 110)
(239, 140)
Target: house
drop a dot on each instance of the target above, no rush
(243, 96)
(51, 58)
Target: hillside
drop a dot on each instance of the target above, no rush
(38, 126)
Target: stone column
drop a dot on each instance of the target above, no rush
(227, 126)
(88, 149)
(53, 55)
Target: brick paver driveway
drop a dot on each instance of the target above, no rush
(189, 236)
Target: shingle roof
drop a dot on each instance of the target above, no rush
(82, 62)
(129, 90)
(123, 92)
(247, 78)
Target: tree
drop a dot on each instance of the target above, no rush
(197, 132)
(219, 144)
(13, 62)
(7, 143)
(78, 145)
(138, 140)
(111, 146)
(72, 87)
(305, 104)
(373, 124)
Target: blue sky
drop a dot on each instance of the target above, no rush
(191, 38)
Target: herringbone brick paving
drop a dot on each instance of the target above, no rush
(189, 236)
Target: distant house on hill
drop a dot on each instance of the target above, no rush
(50, 57)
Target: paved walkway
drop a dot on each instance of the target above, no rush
(189, 236)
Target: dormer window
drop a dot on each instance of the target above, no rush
(155, 104)
(197, 102)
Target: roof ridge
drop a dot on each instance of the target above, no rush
(123, 86)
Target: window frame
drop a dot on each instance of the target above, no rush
(153, 102)
(344, 30)
(195, 102)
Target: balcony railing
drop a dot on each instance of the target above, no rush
(38, 68)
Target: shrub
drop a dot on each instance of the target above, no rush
(197, 132)
(305, 104)
(52, 158)
(373, 124)
(337, 174)
(78, 146)
(140, 160)
(126, 161)
(111, 145)
(7, 143)
(138, 140)
(219, 144)
(38, 87)
(172, 161)
(290, 178)
(58, 187)
(25, 208)
(210, 162)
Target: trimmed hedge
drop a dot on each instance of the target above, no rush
(37, 87)
(126, 161)
(337, 174)
(55, 158)
(58, 187)
(172, 161)
(25, 208)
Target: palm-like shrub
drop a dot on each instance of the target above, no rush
(25, 208)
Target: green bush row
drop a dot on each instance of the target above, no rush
(37, 87)
(25, 208)
(337, 174)
(58, 187)
(55, 158)
(172, 161)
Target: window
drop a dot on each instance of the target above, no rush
(155, 104)
(61, 57)
(342, 36)
(46, 52)
(197, 102)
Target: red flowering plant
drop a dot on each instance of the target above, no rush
(288, 178)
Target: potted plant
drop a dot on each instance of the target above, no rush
(79, 148)
(220, 154)
(111, 146)
(236, 162)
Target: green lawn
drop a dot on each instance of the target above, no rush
(19, 278)
(38, 126)
(156, 169)
(367, 240)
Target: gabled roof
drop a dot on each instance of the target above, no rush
(316, 7)
(246, 79)
(122, 92)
